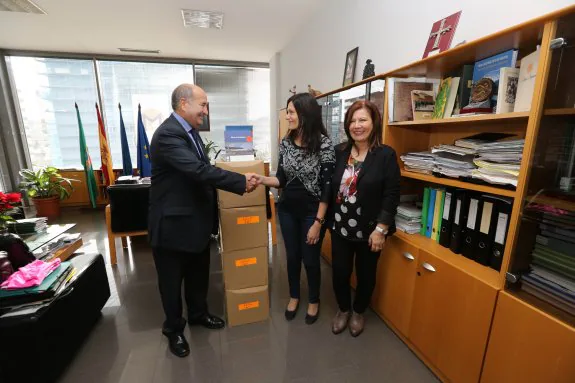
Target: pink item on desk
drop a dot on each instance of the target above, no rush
(30, 275)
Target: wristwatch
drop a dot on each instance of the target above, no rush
(381, 230)
(320, 220)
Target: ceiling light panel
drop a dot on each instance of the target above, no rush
(203, 19)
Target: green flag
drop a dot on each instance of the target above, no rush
(87, 162)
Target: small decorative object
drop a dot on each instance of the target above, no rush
(369, 70)
(442, 33)
(480, 100)
(350, 62)
(293, 90)
(46, 187)
(313, 92)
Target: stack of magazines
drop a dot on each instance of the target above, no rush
(419, 162)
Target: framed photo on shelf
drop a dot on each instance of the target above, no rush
(205, 127)
(350, 62)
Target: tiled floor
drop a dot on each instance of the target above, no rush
(127, 346)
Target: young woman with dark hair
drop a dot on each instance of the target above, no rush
(365, 195)
(305, 167)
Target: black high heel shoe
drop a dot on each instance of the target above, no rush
(290, 315)
(311, 319)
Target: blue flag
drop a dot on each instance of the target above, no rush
(144, 165)
(126, 158)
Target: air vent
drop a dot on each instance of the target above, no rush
(133, 50)
(24, 6)
(203, 19)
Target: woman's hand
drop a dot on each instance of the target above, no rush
(376, 241)
(313, 233)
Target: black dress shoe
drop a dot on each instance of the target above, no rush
(209, 321)
(311, 319)
(291, 314)
(178, 344)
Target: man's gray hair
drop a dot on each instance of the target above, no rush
(185, 91)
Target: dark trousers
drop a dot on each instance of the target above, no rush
(173, 268)
(342, 253)
(294, 231)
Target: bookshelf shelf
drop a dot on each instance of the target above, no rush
(560, 112)
(484, 118)
(483, 273)
(459, 184)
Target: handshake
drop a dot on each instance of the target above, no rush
(253, 180)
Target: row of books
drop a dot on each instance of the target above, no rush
(511, 89)
(469, 223)
(551, 275)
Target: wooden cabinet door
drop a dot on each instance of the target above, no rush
(396, 273)
(528, 345)
(451, 318)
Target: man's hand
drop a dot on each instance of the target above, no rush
(251, 182)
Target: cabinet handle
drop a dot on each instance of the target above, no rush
(428, 267)
(408, 256)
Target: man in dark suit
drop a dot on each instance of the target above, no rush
(183, 213)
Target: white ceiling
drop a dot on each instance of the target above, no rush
(254, 30)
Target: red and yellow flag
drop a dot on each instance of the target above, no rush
(105, 155)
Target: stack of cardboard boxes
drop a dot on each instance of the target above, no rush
(244, 246)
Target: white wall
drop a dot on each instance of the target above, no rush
(391, 33)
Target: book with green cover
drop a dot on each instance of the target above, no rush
(436, 227)
(424, 209)
(441, 98)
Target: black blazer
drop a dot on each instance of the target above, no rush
(183, 205)
(377, 186)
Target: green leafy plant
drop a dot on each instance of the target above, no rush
(211, 147)
(45, 183)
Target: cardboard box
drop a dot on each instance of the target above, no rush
(243, 228)
(247, 305)
(228, 200)
(245, 268)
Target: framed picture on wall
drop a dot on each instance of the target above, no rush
(205, 127)
(350, 62)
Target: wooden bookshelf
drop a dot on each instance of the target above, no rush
(483, 118)
(458, 184)
(483, 273)
(441, 303)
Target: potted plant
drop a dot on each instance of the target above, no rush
(8, 202)
(46, 187)
(212, 147)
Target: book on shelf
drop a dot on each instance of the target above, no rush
(399, 96)
(423, 104)
(507, 90)
(526, 82)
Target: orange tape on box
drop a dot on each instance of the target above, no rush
(248, 220)
(246, 262)
(249, 305)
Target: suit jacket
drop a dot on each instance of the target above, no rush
(183, 204)
(378, 189)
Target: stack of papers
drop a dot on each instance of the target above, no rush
(419, 162)
(499, 162)
(491, 157)
(408, 218)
